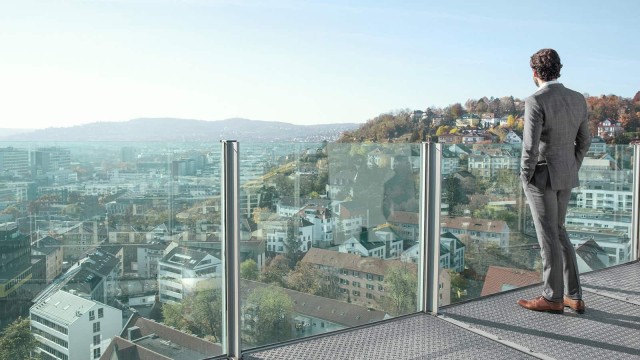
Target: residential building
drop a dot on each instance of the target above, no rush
(605, 195)
(182, 269)
(451, 253)
(278, 231)
(361, 279)
(481, 231)
(486, 166)
(609, 128)
(148, 257)
(14, 161)
(98, 276)
(69, 327)
(512, 138)
(52, 250)
(15, 260)
(50, 159)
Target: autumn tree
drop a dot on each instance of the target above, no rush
(276, 271)
(17, 341)
(308, 279)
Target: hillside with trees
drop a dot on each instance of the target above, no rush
(408, 125)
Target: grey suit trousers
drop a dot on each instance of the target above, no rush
(548, 209)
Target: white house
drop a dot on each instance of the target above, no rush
(182, 269)
(69, 327)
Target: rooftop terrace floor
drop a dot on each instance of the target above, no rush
(495, 327)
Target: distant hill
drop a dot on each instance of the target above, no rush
(10, 132)
(171, 129)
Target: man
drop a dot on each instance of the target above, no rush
(556, 139)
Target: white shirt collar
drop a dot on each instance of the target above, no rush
(547, 83)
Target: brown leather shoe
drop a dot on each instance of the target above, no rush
(577, 305)
(542, 304)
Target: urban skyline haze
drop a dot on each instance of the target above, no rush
(66, 63)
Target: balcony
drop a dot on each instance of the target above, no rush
(467, 251)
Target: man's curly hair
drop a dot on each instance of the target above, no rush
(546, 63)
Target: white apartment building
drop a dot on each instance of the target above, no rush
(601, 219)
(486, 166)
(182, 269)
(478, 230)
(605, 195)
(276, 232)
(68, 327)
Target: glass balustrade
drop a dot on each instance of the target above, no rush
(109, 244)
(488, 241)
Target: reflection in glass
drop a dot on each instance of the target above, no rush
(338, 228)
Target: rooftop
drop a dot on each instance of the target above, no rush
(62, 307)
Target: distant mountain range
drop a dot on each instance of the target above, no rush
(171, 129)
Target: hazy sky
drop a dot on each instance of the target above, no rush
(66, 63)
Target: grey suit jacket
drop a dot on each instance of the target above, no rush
(555, 132)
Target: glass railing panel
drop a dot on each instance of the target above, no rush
(488, 241)
(330, 238)
(110, 245)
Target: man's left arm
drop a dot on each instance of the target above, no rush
(583, 138)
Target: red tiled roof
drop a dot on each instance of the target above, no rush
(498, 276)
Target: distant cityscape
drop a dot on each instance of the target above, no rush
(114, 245)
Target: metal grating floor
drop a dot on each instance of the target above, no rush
(609, 329)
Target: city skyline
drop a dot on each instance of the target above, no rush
(72, 62)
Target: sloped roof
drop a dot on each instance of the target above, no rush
(47, 245)
(498, 276)
(589, 252)
(338, 260)
(335, 311)
(482, 225)
(404, 217)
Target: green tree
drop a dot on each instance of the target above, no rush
(401, 287)
(199, 313)
(249, 270)
(206, 313)
(267, 316)
(17, 342)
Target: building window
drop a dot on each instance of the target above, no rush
(356, 284)
(356, 274)
(96, 326)
(100, 313)
(92, 315)
(96, 353)
(96, 339)
(369, 296)
(370, 287)
(356, 293)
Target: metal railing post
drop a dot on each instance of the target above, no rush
(430, 190)
(635, 210)
(231, 248)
